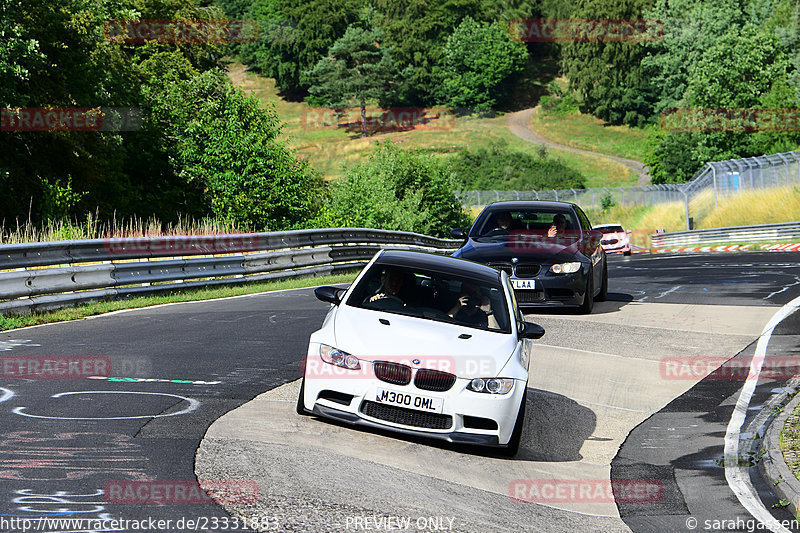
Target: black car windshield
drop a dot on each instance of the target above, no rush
(433, 295)
(498, 224)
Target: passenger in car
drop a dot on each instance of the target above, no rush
(468, 308)
(559, 226)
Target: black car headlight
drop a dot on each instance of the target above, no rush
(565, 268)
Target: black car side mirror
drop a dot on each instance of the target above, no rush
(531, 331)
(330, 294)
(458, 233)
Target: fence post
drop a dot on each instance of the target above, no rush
(714, 176)
(574, 193)
(686, 199)
(556, 193)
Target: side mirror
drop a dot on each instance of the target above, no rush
(531, 331)
(329, 294)
(458, 233)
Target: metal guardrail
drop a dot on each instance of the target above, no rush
(42, 276)
(761, 233)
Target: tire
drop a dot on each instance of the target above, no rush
(626, 253)
(301, 407)
(588, 300)
(511, 449)
(601, 296)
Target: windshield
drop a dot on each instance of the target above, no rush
(499, 224)
(611, 229)
(433, 295)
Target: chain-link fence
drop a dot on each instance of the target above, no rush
(723, 177)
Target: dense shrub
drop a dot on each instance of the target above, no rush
(501, 167)
(397, 190)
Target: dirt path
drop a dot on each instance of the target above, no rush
(518, 124)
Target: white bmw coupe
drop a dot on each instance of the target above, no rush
(425, 345)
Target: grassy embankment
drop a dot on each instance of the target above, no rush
(757, 207)
(586, 132)
(329, 148)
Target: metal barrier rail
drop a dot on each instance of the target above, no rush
(761, 233)
(133, 266)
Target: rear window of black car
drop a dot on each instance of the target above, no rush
(432, 295)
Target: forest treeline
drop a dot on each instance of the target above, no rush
(203, 148)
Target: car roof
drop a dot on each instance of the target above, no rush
(440, 263)
(528, 204)
(605, 225)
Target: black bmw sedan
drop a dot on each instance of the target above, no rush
(549, 250)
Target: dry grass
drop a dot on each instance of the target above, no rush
(92, 228)
(759, 207)
(767, 206)
(590, 133)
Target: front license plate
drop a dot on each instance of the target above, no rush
(411, 401)
(523, 283)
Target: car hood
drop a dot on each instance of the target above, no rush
(534, 249)
(435, 344)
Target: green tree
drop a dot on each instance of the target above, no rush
(608, 75)
(222, 143)
(294, 35)
(478, 64)
(397, 190)
(417, 31)
(357, 69)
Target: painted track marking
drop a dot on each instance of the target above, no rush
(738, 477)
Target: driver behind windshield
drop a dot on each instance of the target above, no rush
(503, 225)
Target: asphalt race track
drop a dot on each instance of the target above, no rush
(209, 394)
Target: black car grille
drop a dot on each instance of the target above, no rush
(528, 297)
(393, 373)
(406, 417)
(434, 380)
(609, 241)
(505, 267)
(527, 271)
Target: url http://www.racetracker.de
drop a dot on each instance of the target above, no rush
(196, 523)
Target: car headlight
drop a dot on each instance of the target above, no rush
(336, 357)
(491, 385)
(565, 268)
